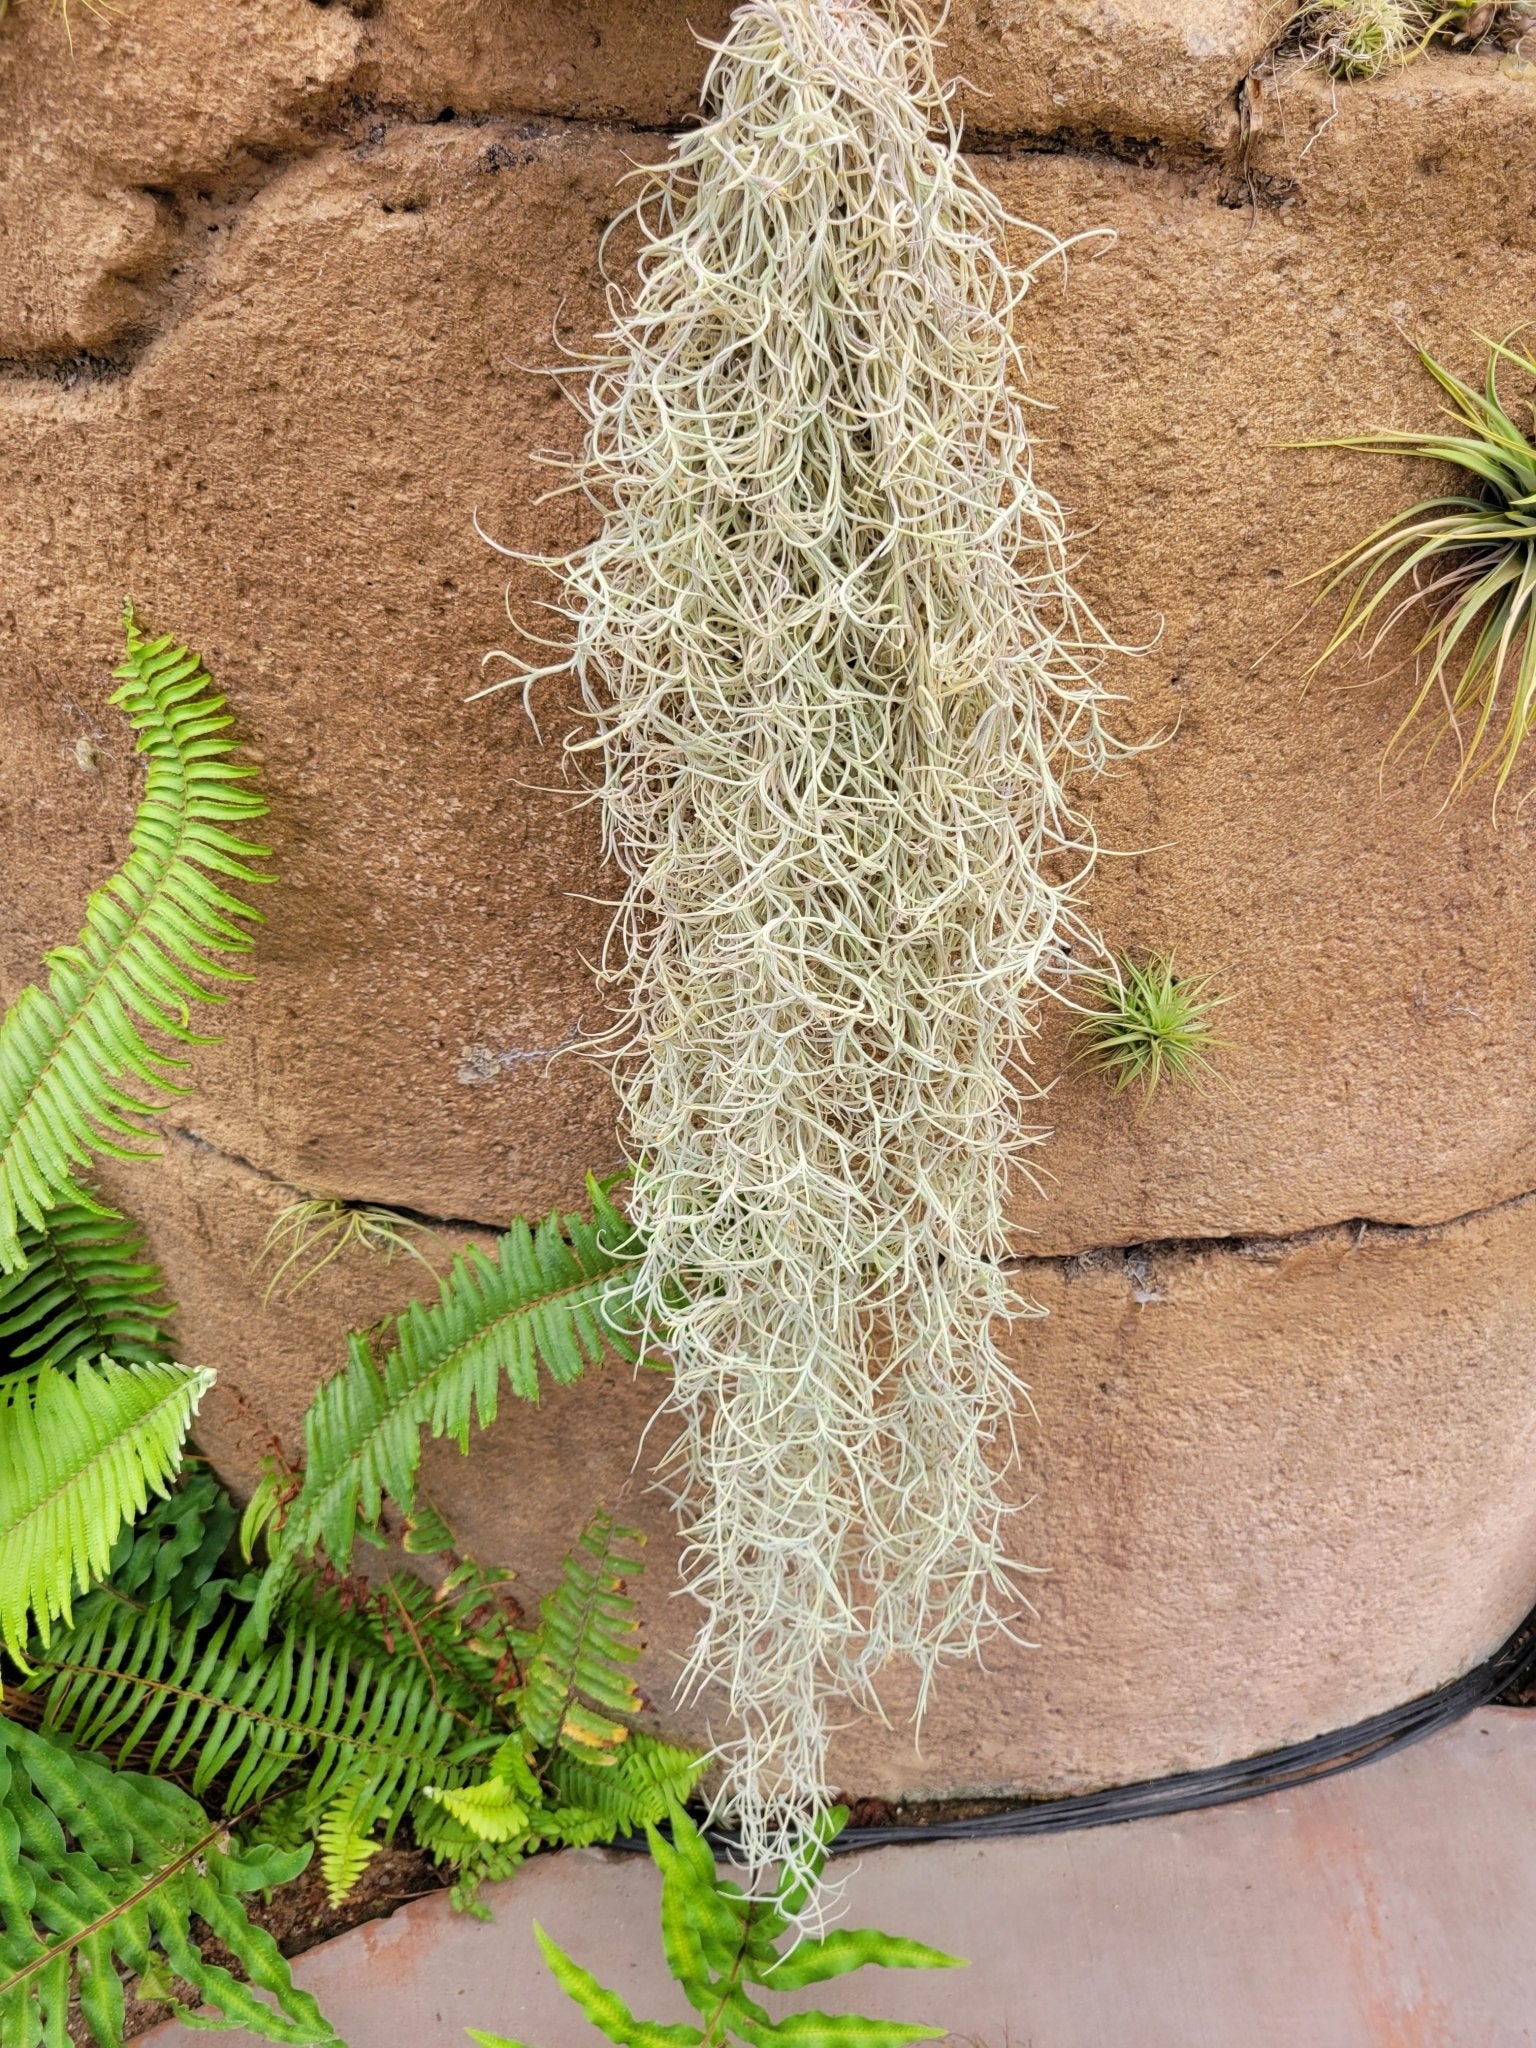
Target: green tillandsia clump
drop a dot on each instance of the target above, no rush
(1465, 561)
(719, 1940)
(1361, 38)
(1146, 1024)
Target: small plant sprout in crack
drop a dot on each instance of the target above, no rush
(1466, 562)
(321, 1228)
(1147, 1024)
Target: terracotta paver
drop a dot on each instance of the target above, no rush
(1391, 1907)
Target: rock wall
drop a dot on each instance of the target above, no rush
(272, 275)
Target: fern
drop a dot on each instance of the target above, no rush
(77, 1072)
(100, 1869)
(556, 1296)
(577, 1677)
(648, 1779)
(718, 1941)
(79, 1457)
(174, 1551)
(167, 1698)
(84, 1288)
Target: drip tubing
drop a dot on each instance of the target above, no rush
(1299, 1763)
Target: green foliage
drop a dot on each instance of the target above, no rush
(577, 1675)
(173, 1552)
(570, 1774)
(556, 1296)
(310, 1234)
(364, 1697)
(84, 1288)
(718, 1940)
(77, 1072)
(79, 1456)
(1465, 561)
(1146, 1024)
(102, 1869)
(174, 1699)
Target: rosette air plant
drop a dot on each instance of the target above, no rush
(838, 687)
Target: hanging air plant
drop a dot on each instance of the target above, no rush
(1465, 563)
(839, 682)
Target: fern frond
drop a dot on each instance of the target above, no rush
(344, 1838)
(649, 1779)
(401, 1621)
(577, 1676)
(80, 1456)
(78, 1074)
(84, 1288)
(557, 1296)
(101, 1869)
(717, 1941)
(147, 1690)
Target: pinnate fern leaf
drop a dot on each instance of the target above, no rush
(149, 1690)
(345, 1839)
(80, 1455)
(83, 1060)
(85, 1288)
(556, 1296)
(717, 1940)
(102, 1869)
(578, 1676)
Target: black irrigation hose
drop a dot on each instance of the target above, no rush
(1323, 1756)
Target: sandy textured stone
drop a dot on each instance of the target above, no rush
(132, 126)
(1291, 1491)
(288, 479)
(114, 126)
(1150, 69)
(1272, 1489)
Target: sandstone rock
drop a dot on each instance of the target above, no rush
(1325, 1447)
(288, 479)
(114, 123)
(1272, 1488)
(134, 126)
(1149, 69)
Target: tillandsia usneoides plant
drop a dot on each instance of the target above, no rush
(838, 682)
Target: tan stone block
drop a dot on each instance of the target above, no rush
(1150, 69)
(112, 124)
(1271, 1487)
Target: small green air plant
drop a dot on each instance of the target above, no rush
(318, 1229)
(1146, 1024)
(719, 1940)
(1467, 560)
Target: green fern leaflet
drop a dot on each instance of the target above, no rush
(101, 1869)
(151, 1691)
(718, 1941)
(78, 1074)
(86, 1288)
(79, 1457)
(578, 1676)
(557, 1296)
